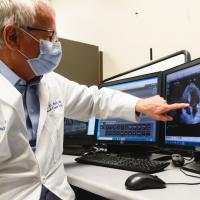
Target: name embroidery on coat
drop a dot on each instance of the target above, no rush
(2, 126)
(54, 105)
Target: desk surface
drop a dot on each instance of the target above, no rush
(109, 183)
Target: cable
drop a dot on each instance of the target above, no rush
(198, 183)
(181, 169)
(189, 158)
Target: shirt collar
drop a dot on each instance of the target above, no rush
(9, 74)
(14, 78)
(35, 81)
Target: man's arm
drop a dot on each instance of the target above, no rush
(81, 103)
(156, 107)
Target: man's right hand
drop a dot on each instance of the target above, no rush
(156, 107)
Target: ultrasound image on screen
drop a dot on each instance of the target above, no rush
(191, 95)
(74, 127)
(184, 86)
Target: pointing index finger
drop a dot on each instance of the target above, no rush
(176, 106)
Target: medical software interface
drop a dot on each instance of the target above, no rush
(122, 130)
(75, 127)
(184, 86)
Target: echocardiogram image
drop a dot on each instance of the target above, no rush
(185, 89)
(184, 86)
(191, 114)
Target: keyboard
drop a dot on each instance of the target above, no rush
(125, 163)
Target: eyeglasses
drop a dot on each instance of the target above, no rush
(53, 37)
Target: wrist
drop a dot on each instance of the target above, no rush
(139, 106)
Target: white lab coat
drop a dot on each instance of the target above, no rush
(23, 172)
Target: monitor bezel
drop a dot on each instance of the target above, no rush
(129, 143)
(165, 73)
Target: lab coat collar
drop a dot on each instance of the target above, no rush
(43, 93)
(11, 96)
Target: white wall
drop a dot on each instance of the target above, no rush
(125, 30)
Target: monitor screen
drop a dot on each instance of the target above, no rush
(122, 131)
(182, 84)
(78, 132)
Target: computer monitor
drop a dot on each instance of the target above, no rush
(122, 132)
(182, 84)
(79, 132)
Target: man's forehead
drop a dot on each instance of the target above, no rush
(45, 22)
(45, 17)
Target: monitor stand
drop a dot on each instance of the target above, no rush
(136, 151)
(194, 166)
(75, 150)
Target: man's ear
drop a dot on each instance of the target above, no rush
(11, 37)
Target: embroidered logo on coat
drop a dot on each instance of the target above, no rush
(2, 126)
(54, 105)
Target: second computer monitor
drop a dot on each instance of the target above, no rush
(79, 132)
(182, 84)
(118, 131)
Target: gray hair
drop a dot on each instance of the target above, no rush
(18, 12)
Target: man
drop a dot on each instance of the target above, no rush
(34, 101)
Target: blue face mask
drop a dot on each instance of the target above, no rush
(48, 59)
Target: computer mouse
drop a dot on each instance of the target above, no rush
(177, 160)
(141, 181)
